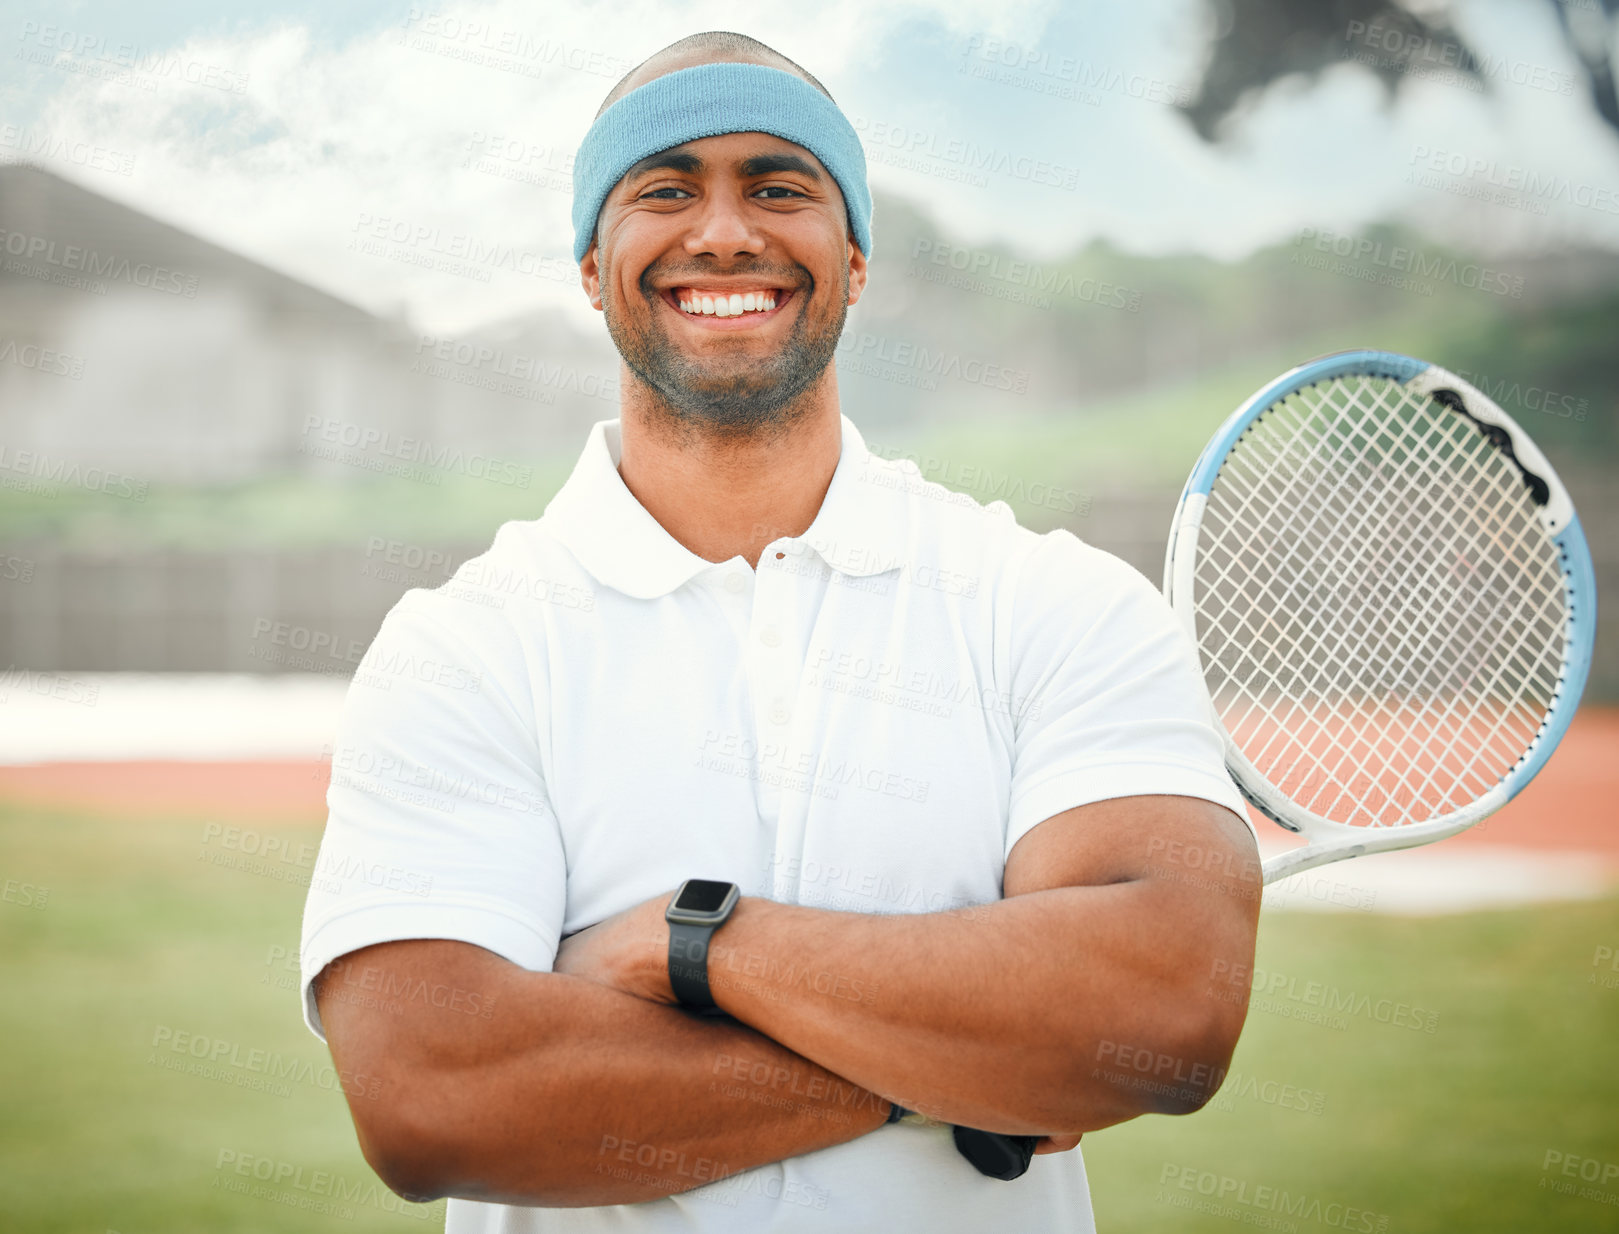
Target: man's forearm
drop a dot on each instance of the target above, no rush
(571, 1093)
(958, 1016)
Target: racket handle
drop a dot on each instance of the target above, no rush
(999, 1156)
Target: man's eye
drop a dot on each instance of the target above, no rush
(780, 188)
(669, 189)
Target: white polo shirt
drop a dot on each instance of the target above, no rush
(589, 713)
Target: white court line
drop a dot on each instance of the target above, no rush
(115, 717)
(1445, 878)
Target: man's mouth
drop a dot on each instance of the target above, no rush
(735, 304)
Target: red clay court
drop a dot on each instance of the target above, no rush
(1572, 806)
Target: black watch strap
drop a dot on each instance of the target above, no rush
(688, 963)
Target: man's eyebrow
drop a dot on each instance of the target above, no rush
(758, 165)
(764, 164)
(674, 160)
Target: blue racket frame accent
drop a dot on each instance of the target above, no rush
(1582, 636)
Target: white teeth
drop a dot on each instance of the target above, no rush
(733, 305)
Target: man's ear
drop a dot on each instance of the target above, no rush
(857, 272)
(590, 276)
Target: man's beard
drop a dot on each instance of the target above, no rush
(727, 396)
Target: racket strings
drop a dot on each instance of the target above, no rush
(1336, 770)
(1380, 611)
(1401, 654)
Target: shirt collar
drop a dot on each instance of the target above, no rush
(860, 529)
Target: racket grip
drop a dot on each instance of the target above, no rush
(1000, 1156)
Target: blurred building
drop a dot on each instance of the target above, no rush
(144, 350)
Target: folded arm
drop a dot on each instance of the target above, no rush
(1080, 1000)
(550, 1090)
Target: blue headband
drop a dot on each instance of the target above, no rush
(707, 101)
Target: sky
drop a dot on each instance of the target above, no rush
(362, 146)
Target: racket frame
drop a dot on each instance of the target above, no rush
(1334, 841)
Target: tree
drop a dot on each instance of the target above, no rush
(1258, 42)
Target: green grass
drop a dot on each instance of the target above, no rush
(138, 939)
(1441, 1131)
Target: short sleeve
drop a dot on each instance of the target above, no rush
(1117, 706)
(439, 824)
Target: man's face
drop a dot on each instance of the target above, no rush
(742, 214)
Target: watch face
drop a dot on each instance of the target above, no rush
(702, 895)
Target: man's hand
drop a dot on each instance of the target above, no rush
(629, 951)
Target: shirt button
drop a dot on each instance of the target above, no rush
(769, 637)
(734, 584)
(779, 712)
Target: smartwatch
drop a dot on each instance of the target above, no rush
(700, 907)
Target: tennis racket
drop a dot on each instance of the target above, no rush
(1393, 606)
(1392, 601)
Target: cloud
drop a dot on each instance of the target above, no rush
(423, 163)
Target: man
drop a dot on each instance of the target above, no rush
(963, 776)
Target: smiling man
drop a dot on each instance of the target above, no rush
(736, 844)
